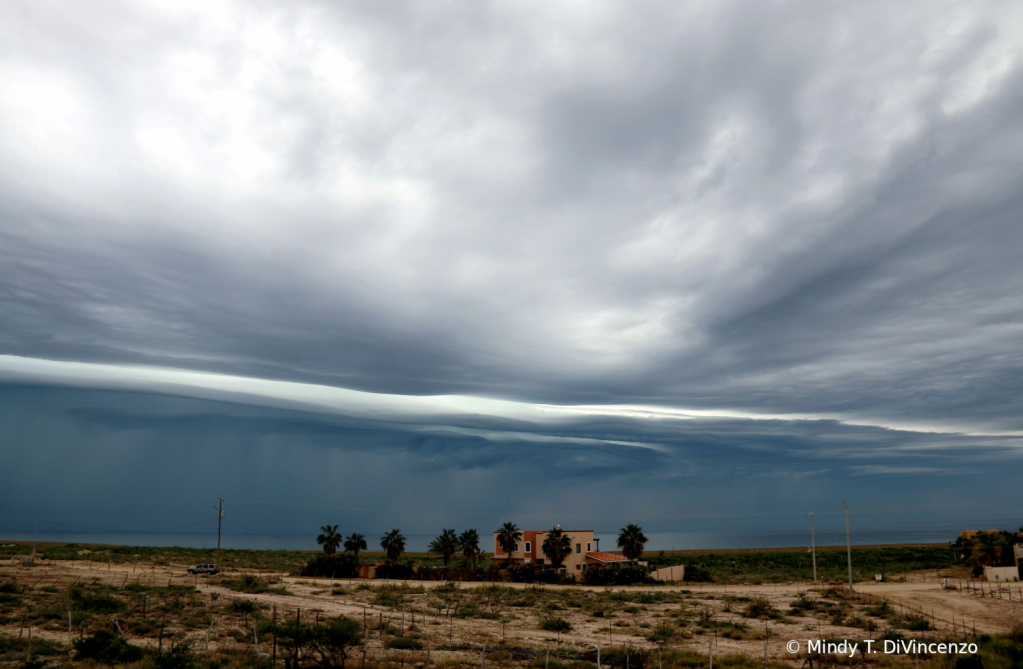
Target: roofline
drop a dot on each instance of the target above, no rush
(593, 556)
(546, 531)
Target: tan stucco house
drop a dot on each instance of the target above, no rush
(529, 549)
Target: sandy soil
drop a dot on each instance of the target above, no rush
(951, 610)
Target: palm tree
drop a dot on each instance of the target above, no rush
(330, 539)
(557, 546)
(469, 544)
(446, 543)
(631, 540)
(507, 536)
(355, 543)
(393, 544)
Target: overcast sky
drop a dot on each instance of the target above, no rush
(585, 263)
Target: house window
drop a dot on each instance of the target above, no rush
(584, 567)
(588, 549)
(529, 547)
(578, 567)
(516, 549)
(578, 548)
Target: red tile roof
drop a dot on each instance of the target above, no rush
(604, 556)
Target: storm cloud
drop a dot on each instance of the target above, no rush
(627, 245)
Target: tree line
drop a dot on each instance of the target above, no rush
(557, 545)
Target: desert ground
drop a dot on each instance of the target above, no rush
(454, 622)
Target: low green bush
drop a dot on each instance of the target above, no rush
(534, 573)
(695, 574)
(249, 584)
(94, 602)
(663, 633)
(143, 627)
(179, 656)
(404, 643)
(39, 646)
(627, 657)
(242, 606)
(802, 605)
(389, 595)
(329, 642)
(618, 575)
(108, 648)
(760, 607)
(916, 624)
(472, 610)
(552, 623)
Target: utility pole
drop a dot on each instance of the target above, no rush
(220, 514)
(813, 547)
(848, 548)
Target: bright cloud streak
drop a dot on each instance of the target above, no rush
(373, 406)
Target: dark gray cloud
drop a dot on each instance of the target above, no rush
(284, 471)
(755, 213)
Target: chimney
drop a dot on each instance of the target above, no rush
(596, 540)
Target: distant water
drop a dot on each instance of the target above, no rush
(683, 540)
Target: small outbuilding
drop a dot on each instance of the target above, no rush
(1001, 573)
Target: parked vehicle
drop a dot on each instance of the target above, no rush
(204, 569)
